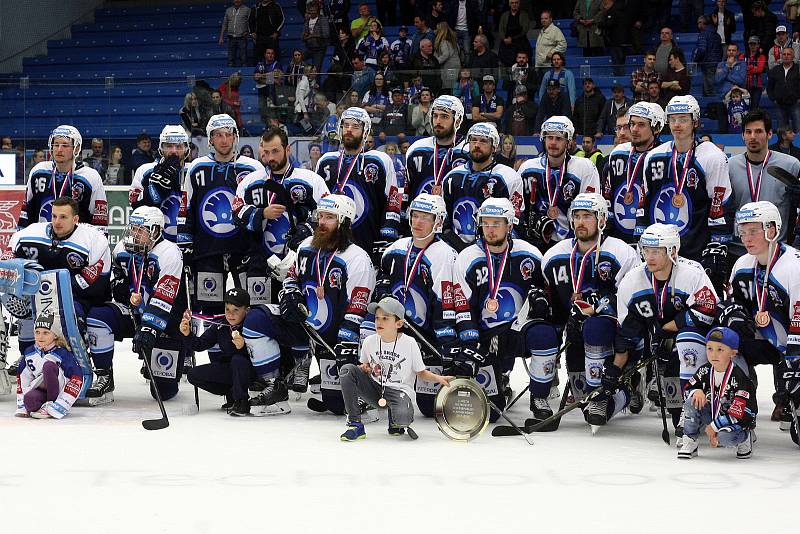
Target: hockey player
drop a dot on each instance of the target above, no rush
(159, 183)
(552, 180)
(686, 183)
(582, 275)
(765, 290)
(466, 187)
(149, 301)
(328, 287)
(274, 207)
(668, 296)
(418, 271)
(64, 176)
(64, 244)
(493, 278)
(211, 242)
(622, 181)
(369, 179)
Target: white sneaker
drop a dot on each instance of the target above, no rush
(744, 450)
(688, 449)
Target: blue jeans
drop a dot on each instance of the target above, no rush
(237, 51)
(694, 420)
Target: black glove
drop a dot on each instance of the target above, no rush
(165, 174)
(187, 250)
(661, 344)
(298, 235)
(293, 306)
(575, 322)
(538, 305)
(610, 379)
(466, 363)
(346, 352)
(540, 227)
(736, 317)
(144, 340)
(378, 248)
(791, 376)
(120, 291)
(714, 260)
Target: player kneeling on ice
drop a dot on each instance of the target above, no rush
(230, 371)
(49, 378)
(720, 398)
(390, 361)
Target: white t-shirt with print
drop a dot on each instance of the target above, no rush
(396, 364)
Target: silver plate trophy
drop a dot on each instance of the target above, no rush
(462, 409)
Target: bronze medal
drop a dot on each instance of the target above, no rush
(628, 200)
(762, 319)
(320, 292)
(382, 402)
(492, 305)
(576, 297)
(436, 190)
(678, 200)
(553, 212)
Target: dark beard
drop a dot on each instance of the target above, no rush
(447, 134)
(480, 159)
(280, 165)
(354, 144)
(328, 241)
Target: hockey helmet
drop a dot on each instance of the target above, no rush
(71, 133)
(145, 226)
(174, 134)
(496, 207)
(452, 105)
(223, 120)
(683, 104)
(651, 112)
(558, 124)
(763, 212)
(593, 202)
(340, 205)
(356, 114)
(485, 129)
(433, 204)
(660, 235)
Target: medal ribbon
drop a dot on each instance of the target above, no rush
(755, 189)
(686, 163)
(577, 282)
(553, 197)
(660, 299)
(67, 181)
(632, 175)
(320, 275)
(761, 294)
(438, 170)
(494, 279)
(136, 278)
(341, 182)
(408, 277)
(271, 196)
(716, 397)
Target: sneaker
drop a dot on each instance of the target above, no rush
(298, 378)
(354, 432)
(744, 450)
(314, 384)
(688, 449)
(102, 390)
(597, 412)
(540, 408)
(274, 400)
(21, 412)
(396, 430)
(239, 408)
(42, 412)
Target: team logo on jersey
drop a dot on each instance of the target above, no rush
(689, 357)
(46, 211)
(663, 211)
(776, 298)
(240, 176)
(604, 270)
(416, 309)
(151, 269)
(568, 190)
(488, 187)
(464, 216)
(458, 162)
(216, 213)
(526, 268)
(625, 214)
(318, 309)
(298, 194)
(276, 234)
(371, 172)
(335, 278)
(677, 303)
(362, 204)
(77, 191)
(509, 301)
(692, 179)
(74, 260)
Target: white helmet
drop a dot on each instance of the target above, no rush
(223, 120)
(660, 235)
(357, 114)
(340, 205)
(451, 104)
(558, 124)
(485, 129)
(151, 220)
(70, 132)
(497, 207)
(173, 134)
(683, 104)
(650, 111)
(593, 202)
(760, 212)
(433, 204)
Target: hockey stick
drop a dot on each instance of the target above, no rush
(783, 176)
(662, 403)
(191, 351)
(151, 424)
(502, 430)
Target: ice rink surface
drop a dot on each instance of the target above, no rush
(99, 471)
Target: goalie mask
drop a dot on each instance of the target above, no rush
(174, 135)
(145, 226)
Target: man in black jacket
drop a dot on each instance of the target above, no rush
(266, 21)
(554, 103)
(521, 116)
(785, 142)
(607, 122)
(783, 88)
(588, 107)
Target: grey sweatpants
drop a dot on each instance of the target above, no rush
(356, 383)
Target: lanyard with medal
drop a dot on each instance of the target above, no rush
(67, 182)
(755, 188)
(762, 315)
(136, 278)
(718, 393)
(438, 170)
(678, 200)
(552, 193)
(492, 304)
(628, 199)
(321, 276)
(408, 276)
(660, 296)
(271, 196)
(577, 281)
(341, 182)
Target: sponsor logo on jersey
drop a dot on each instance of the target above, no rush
(705, 301)
(459, 300)
(395, 200)
(447, 295)
(216, 213)
(167, 288)
(516, 201)
(358, 301)
(73, 387)
(92, 272)
(737, 408)
(371, 172)
(237, 204)
(716, 210)
(794, 325)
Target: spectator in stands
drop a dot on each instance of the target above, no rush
(707, 54)
(362, 76)
(426, 64)
(482, 61)
(373, 44)
(229, 89)
(732, 71)
(265, 82)
(654, 94)
(588, 108)
(550, 40)
(116, 173)
(555, 102)
(387, 11)
(38, 157)
(508, 152)
(191, 118)
(316, 35)
(445, 49)
(436, 14)
(586, 17)
(607, 121)
(320, 110)
(590, 151)
(489, 107)
(641, 78)
(690, 10)
(352, 99)
(622, 130)
(676, 81)
(737, 104)
(463, 18)
(247, 151)
(723, 21)
(466, 89)
(96, 158)
(422, 31)
(359, 28)
(385, 68)
(376, 100)
(338, 78)
(338, 12)
(265, 23)
(296, 68)
(218, 106)
(521, 116)
(764, 22)
(419, 113)
(304, 96)
(665, 46)
(513, 33)
(615, 25)
(142, 153)
(234, 27)
(785, 142)
(756, 63)
(314, 153)
(412, 93)
(404, 145)
(560, 73)
(6, 143)
(401, 52)
(522, 74)
(781, 41)
(395, 116)
(783, 88)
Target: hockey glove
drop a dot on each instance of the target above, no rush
(293, 306)
(346, 352)
(378, 248)
(466, 363)
(538, 305)
(714, 260)
(187, 250)
(165, 174)
(791, 376)
(145, 340)
(299, 234)
(540, 227)
(610, 379)
(575, 322)
(736, 317)
(452, 239)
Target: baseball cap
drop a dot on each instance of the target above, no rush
(236, 296)
(389, 305)
(754, 39)
(488, 78)
(553, 83)
(724, 335)
(403, 28)
(397, 90)
(44, 320)
(780, 29)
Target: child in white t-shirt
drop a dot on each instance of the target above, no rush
(390, 363)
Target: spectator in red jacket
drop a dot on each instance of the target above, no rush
(756, 68)
(230, 95)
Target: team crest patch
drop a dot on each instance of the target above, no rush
(677, 303)
(488, 188)
(526, 268)
(371, 172)
(298, 194)
(74, 260)
(692, 179)
(569, 190)
(604, 270)
(77, 190)
(240, 176)
(335, 278)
